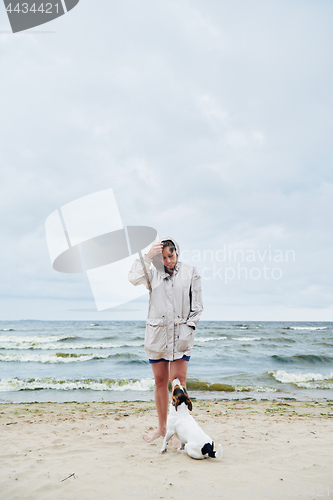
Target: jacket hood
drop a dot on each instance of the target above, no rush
(157, 260)
(174, 242)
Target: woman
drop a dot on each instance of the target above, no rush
(175, 306)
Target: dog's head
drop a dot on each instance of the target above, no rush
(179, 395)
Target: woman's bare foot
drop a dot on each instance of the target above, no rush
(153, 435)
(156, 434)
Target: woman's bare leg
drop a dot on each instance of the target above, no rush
(161, 375)
(178, 369)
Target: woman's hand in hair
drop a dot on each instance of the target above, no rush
(154, 250)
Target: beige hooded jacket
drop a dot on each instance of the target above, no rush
(175, 306)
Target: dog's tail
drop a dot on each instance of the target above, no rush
(219, 452)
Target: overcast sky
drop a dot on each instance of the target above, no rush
(211, 120)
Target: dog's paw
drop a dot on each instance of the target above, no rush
(181, 450)
(163, 450)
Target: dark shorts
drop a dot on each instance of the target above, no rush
(185, 358)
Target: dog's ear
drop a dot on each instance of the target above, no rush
(188, 402)
(177, 393)
(176, 401)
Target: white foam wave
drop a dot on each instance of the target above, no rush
(308, 327)
(307, 380)
(50, 358)
(209, 339)
(10, 385)
(316, 385)
(250, 388)
(60, 346)
(41, 339)
(246, 339)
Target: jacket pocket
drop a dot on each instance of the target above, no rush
(186, 337)
(155, 340)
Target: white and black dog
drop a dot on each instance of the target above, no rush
(193, 439)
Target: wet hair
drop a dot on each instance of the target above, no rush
(170, 244)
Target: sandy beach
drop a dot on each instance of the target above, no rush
(69, 451)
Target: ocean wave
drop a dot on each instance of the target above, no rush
(100, 328)
(35, 384)
(209, 339)
(303, 359)
(51, 358)
(52, 346)
(283, 340)
(325, 384)
(7, 329)
(306, 328)
(14, 339)
(246, 339)
(198, 385)
(144, 385)
(304, 380)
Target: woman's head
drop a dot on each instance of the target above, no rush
(169, 255)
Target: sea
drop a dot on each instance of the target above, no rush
(85, 361)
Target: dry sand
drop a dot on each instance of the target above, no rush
(272, 450)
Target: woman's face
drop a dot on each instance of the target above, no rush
(169, 258)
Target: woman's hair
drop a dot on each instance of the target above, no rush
(170, 244)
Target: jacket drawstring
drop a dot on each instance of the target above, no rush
(145, 271)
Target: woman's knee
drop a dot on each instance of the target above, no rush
(178, 369)
(161, 381)
(161, 374)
